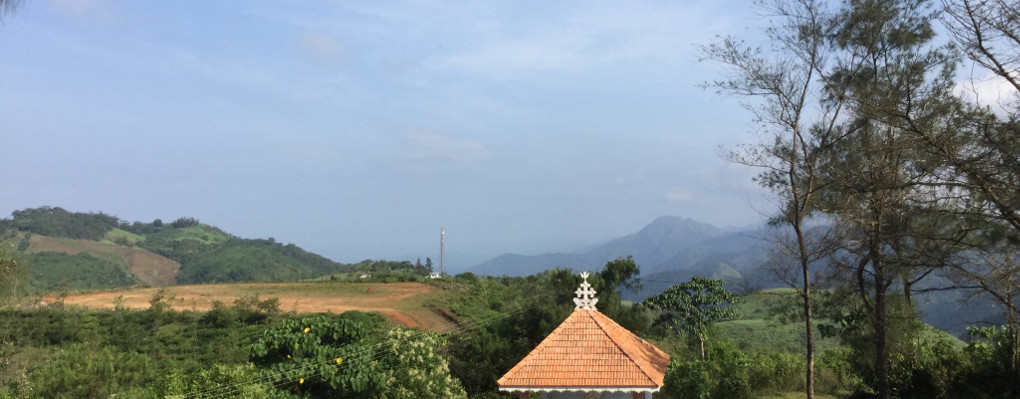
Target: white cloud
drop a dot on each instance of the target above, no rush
(78, 8)
(433, 146)
(679, 196)
(321, 46)
(590, 37)
(991, 91)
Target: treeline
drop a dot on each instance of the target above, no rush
(57, 222)
(884, 172)
(385, 271)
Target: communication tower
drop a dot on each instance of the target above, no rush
(442, 256)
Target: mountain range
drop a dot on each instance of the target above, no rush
(669, 250)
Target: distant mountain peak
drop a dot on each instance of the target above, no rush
(654, 244)
(670, 219)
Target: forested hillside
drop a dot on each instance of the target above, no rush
(72, 250)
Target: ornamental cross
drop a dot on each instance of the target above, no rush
(585, 295)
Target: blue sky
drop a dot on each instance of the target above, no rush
(356, 129)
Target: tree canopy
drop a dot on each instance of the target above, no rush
(692, 307)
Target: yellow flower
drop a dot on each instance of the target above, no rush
(339, 359)
(307, 329)
(301, 381)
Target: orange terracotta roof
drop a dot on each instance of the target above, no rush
(589, 350)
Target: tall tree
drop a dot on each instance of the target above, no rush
(882, 185)
(988, 168)
(692, 307)
(797, 118)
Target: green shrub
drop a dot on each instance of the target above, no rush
(52, 270)
(687, 379)
(83, 371)
(724, 374)
(219, 381)
(776, 371)
(840, 362)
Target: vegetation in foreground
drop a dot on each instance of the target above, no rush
(250, 349)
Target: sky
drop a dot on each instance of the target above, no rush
(358, 129)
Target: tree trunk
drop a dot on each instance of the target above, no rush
(805, 263)
(810, 346)
(1014, 356)
(882, 386)
(701, 341)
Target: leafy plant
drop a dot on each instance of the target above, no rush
(320, 356)
(692, 307)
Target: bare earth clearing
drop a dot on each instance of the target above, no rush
(148, 267)
(401, 302)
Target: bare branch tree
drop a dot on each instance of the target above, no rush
(784, 85)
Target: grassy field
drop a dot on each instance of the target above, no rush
(757, 329)
(195, 233)
(404, 303)
(118, 234)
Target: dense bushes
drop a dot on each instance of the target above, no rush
(728, 372)
(86, 353)
(237, 260)
(53, 270)
(57, 222)
(84, 371)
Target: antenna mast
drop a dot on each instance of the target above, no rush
(442, 251)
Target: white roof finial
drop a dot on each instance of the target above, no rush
(585, 295)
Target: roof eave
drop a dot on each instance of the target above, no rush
(652, 389)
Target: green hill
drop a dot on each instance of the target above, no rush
(71, 250)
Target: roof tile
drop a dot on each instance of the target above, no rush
(589, 350)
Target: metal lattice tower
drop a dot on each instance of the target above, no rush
(442, 252)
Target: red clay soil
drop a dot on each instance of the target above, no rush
(401, 302)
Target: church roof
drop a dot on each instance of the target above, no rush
(589, 351)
